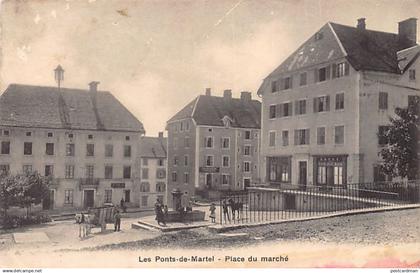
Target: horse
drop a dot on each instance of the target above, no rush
(236, 207)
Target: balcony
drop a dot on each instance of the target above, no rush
(88, 183)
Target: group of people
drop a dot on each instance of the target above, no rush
(161, 212)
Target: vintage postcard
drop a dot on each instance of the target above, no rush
(210, 134)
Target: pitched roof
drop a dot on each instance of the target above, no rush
(364, 49)
(210, 110)
(408, 56)
(41, 106)
(154, 147)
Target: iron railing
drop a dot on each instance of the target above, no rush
(263, 204)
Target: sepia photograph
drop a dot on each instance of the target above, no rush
(209, 134)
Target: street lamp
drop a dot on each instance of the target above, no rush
(59, 75)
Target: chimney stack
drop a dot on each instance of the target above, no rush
(93, 86)
(407, 31)
(361, 23)
(227, 94)
(246, 96)
(208, 91)
(160, 134)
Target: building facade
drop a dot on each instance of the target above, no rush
(85, 140)
(213, 146)
(152, 165)
(323, 107)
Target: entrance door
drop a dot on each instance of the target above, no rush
(127, 196)
(303, 173)
(209, 180)
(88, 198)
(48, 202)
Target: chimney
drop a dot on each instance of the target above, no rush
(246, 96)
(361, 23)
(208, 91)
(160, 134)
(227, 94)
(93, 86)
(407, 31)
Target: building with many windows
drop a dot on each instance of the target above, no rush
(213, 145)
(85, 139)
(152, 166)
(323, 107)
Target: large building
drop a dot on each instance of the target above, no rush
(213, 145)
(85, 139)
(152, 162)
(323, 107)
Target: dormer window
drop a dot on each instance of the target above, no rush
(226, 121)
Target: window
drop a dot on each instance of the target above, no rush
(49, 170)
(174, 177)
(69, 171)
(160, 162)
(322, 175)
(412, 74)
(383, 100)
(321, 104)
(186, 142)
(287, 109)
(69, 149)
(144, 201)
(6, 132)
(340, 70)
(90, 149)
(209, 142)
(300, 107)
(181, 126)
(247, 166)
(286, 83)
(187, 125)
(225, 179)
(109, 172)
(285, 173)
(272, 110)
(109, 150)
(68, 197)
(127, 172)
(225, 160)
(160, 173)
(145, 173)
(144, 187)
(285, 138)
(145, 162)
(247, 134)
(5, 147)
(323, 74)
(28, 133)
(90, 136)
(27, 169)
(338, 175)
(320, 135)
(127, 137)
(339, 101)
(175, 160)
(274, 86)
(27, 148)
(225, 143)
(247, 150)
(127, 196)
(209, 160)
(49, 148)
(185, 160)
(186, 178)
(4, 169)
(302, 137)
(127, 150)
(303, 79)
(108, 196)
(160, 187)
(383, 135)
(49, 134)
(272, 139)
(70, 135)
(90, 171)
(339, 134)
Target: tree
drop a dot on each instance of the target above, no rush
(22, 190)
(401, 154)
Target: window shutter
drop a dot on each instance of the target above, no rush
(316, 75)
(334, 71)
(296, 107)
(278, 110)
(346, 69)
(205, 142)
(290, 109)
(307, 136)
(296, 137)
(280, 113)
(291, 81)
(328, 103)
(327, 72)
(315, 105)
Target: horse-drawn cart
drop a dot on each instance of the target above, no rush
(98, 217)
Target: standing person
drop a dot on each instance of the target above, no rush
(165, 210)
(159, 213)
(117, 220)
(213, 213)
(225, 211)
(122, 203)
(82, 227)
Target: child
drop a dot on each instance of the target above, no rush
(213, 213)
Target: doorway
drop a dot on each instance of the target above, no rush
(209, 179)
(48, 202)
(88, 198)
(303, 174)
(127, 196)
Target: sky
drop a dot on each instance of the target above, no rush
(155, 56)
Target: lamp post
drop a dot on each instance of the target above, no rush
(59, 75)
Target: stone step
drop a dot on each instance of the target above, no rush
(143, 226)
